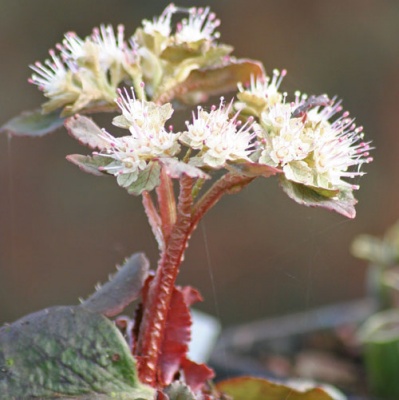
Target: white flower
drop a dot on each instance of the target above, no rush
(51, 77)
(162, 23)
(218, 137)
(112, 48)
(148, 139)
(264, 90)
(200, 25)
(340, 150)
(312, 149)
(127, 158)
(86, 70)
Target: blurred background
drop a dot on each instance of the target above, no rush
(256, 254)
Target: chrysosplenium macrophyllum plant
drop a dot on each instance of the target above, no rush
(311, 145)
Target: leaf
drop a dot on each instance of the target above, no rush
(89, 164)
(342, 202)
(147, 180)
(175, 169)
(67, 352)
(123, 288)
(248, 388)
(33, 123)
(86, 132)
(180, 391)
(195, 375)
(202, 83)
(176, 339)
(253, 169)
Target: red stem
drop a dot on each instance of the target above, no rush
(160, 293)
(167, 204)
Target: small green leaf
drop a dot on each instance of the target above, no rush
(147, 180)
(67, 352)
(123, 288)
(33, 123)
(247, 388)
(179, 391)
(89, 164)
(341, 201)
(86, 132)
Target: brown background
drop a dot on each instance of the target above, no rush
(61, 230)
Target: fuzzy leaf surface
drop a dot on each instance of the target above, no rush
(33, 123)
(67, 352)
(86, 132)
(89, 164)
(248, 388)
(341, 202)
(179, 391)
(147, 180)
(123, 288)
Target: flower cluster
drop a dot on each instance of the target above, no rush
(148, 139)
(86, 72)
(311, 139)
(218, 137)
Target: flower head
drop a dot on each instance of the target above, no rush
(148, 139)
(85, 71)
(162, 23)
(316, 148)
(262, 93)
(218, 137)
(200, 25)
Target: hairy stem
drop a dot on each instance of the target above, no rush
(167, 204)
(161, 290)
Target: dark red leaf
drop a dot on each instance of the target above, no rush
(176, 338)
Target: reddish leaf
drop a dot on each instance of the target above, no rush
(176, 338)
(191, 295)
(195, 375)
(206, 82)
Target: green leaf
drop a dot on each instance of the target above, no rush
(247, 388)
(179, 391)
(123, 288)
(86, 132)
(341, 201)
(33, 123)
(67, 352)
(89, 164)
(147, 180)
